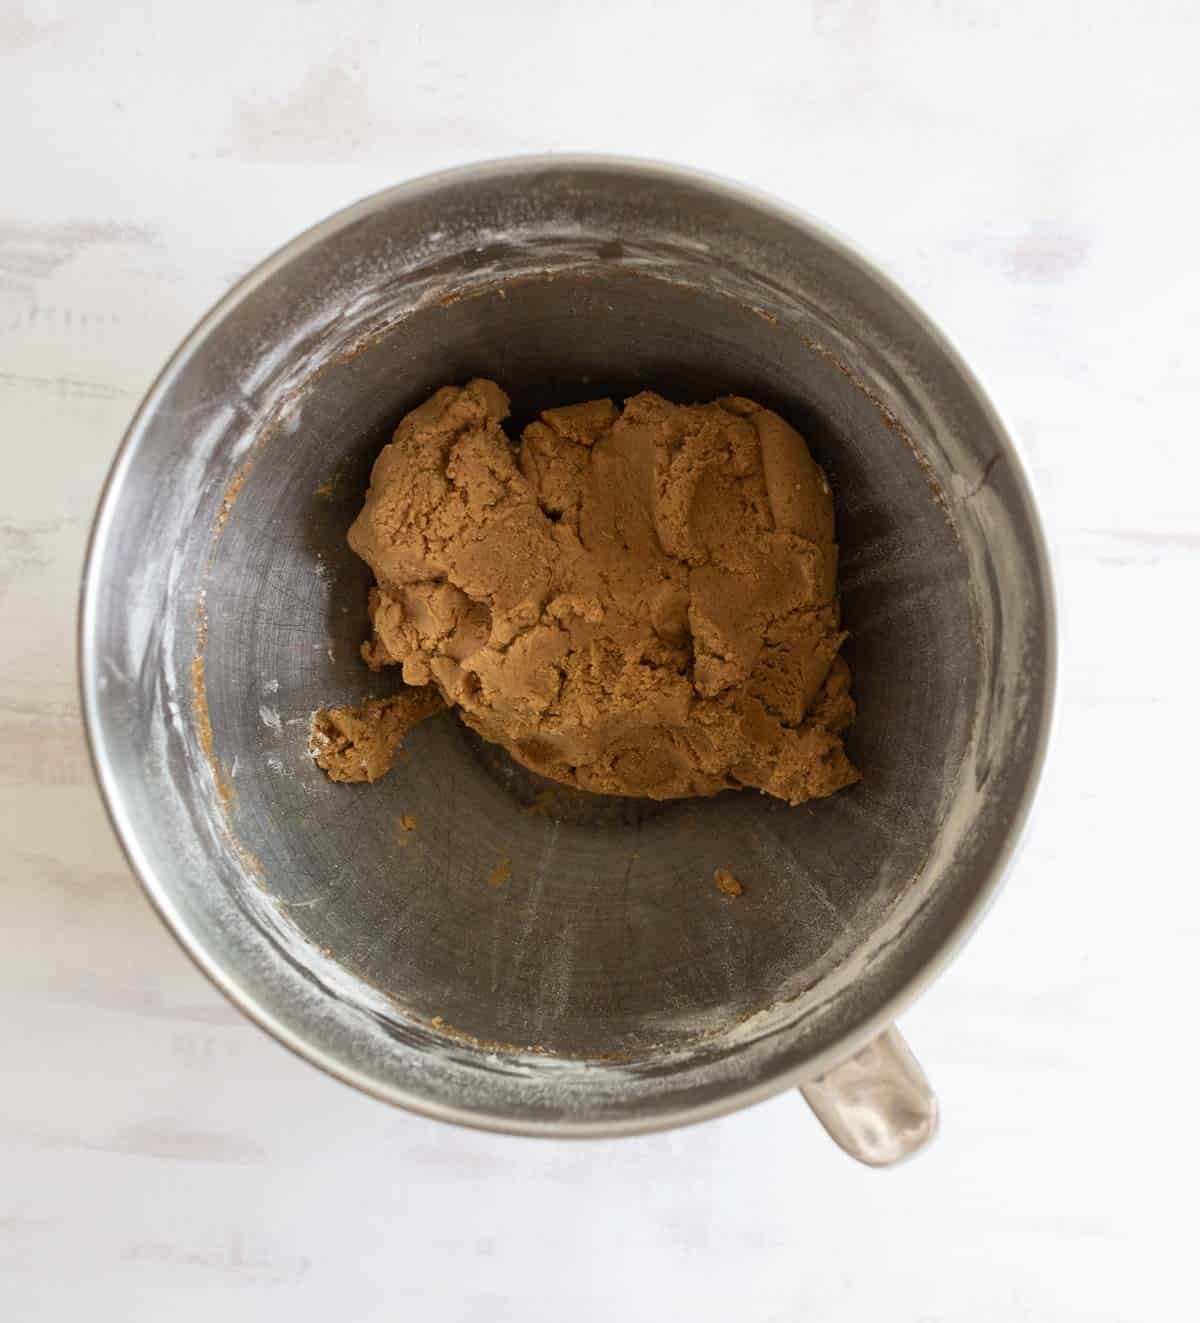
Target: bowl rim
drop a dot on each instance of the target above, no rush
(224, 978)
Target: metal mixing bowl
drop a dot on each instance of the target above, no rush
(607, 987)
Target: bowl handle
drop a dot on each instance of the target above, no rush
(877, 1105)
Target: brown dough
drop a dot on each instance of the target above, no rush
(500, 874)
(359, 743)
(727, 883)
(635, 602)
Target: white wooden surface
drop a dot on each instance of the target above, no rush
(1029, 172)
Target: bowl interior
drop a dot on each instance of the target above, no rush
(609, 936)
(607, 985)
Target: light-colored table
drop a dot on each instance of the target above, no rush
(1029, 171)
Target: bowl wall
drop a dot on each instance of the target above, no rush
(608, 984)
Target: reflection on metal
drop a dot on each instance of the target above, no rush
(878, 1105)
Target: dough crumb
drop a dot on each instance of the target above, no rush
(358, 743)
(727, 883)
(500, 874)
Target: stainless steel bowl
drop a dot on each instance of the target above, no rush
(608, 987)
